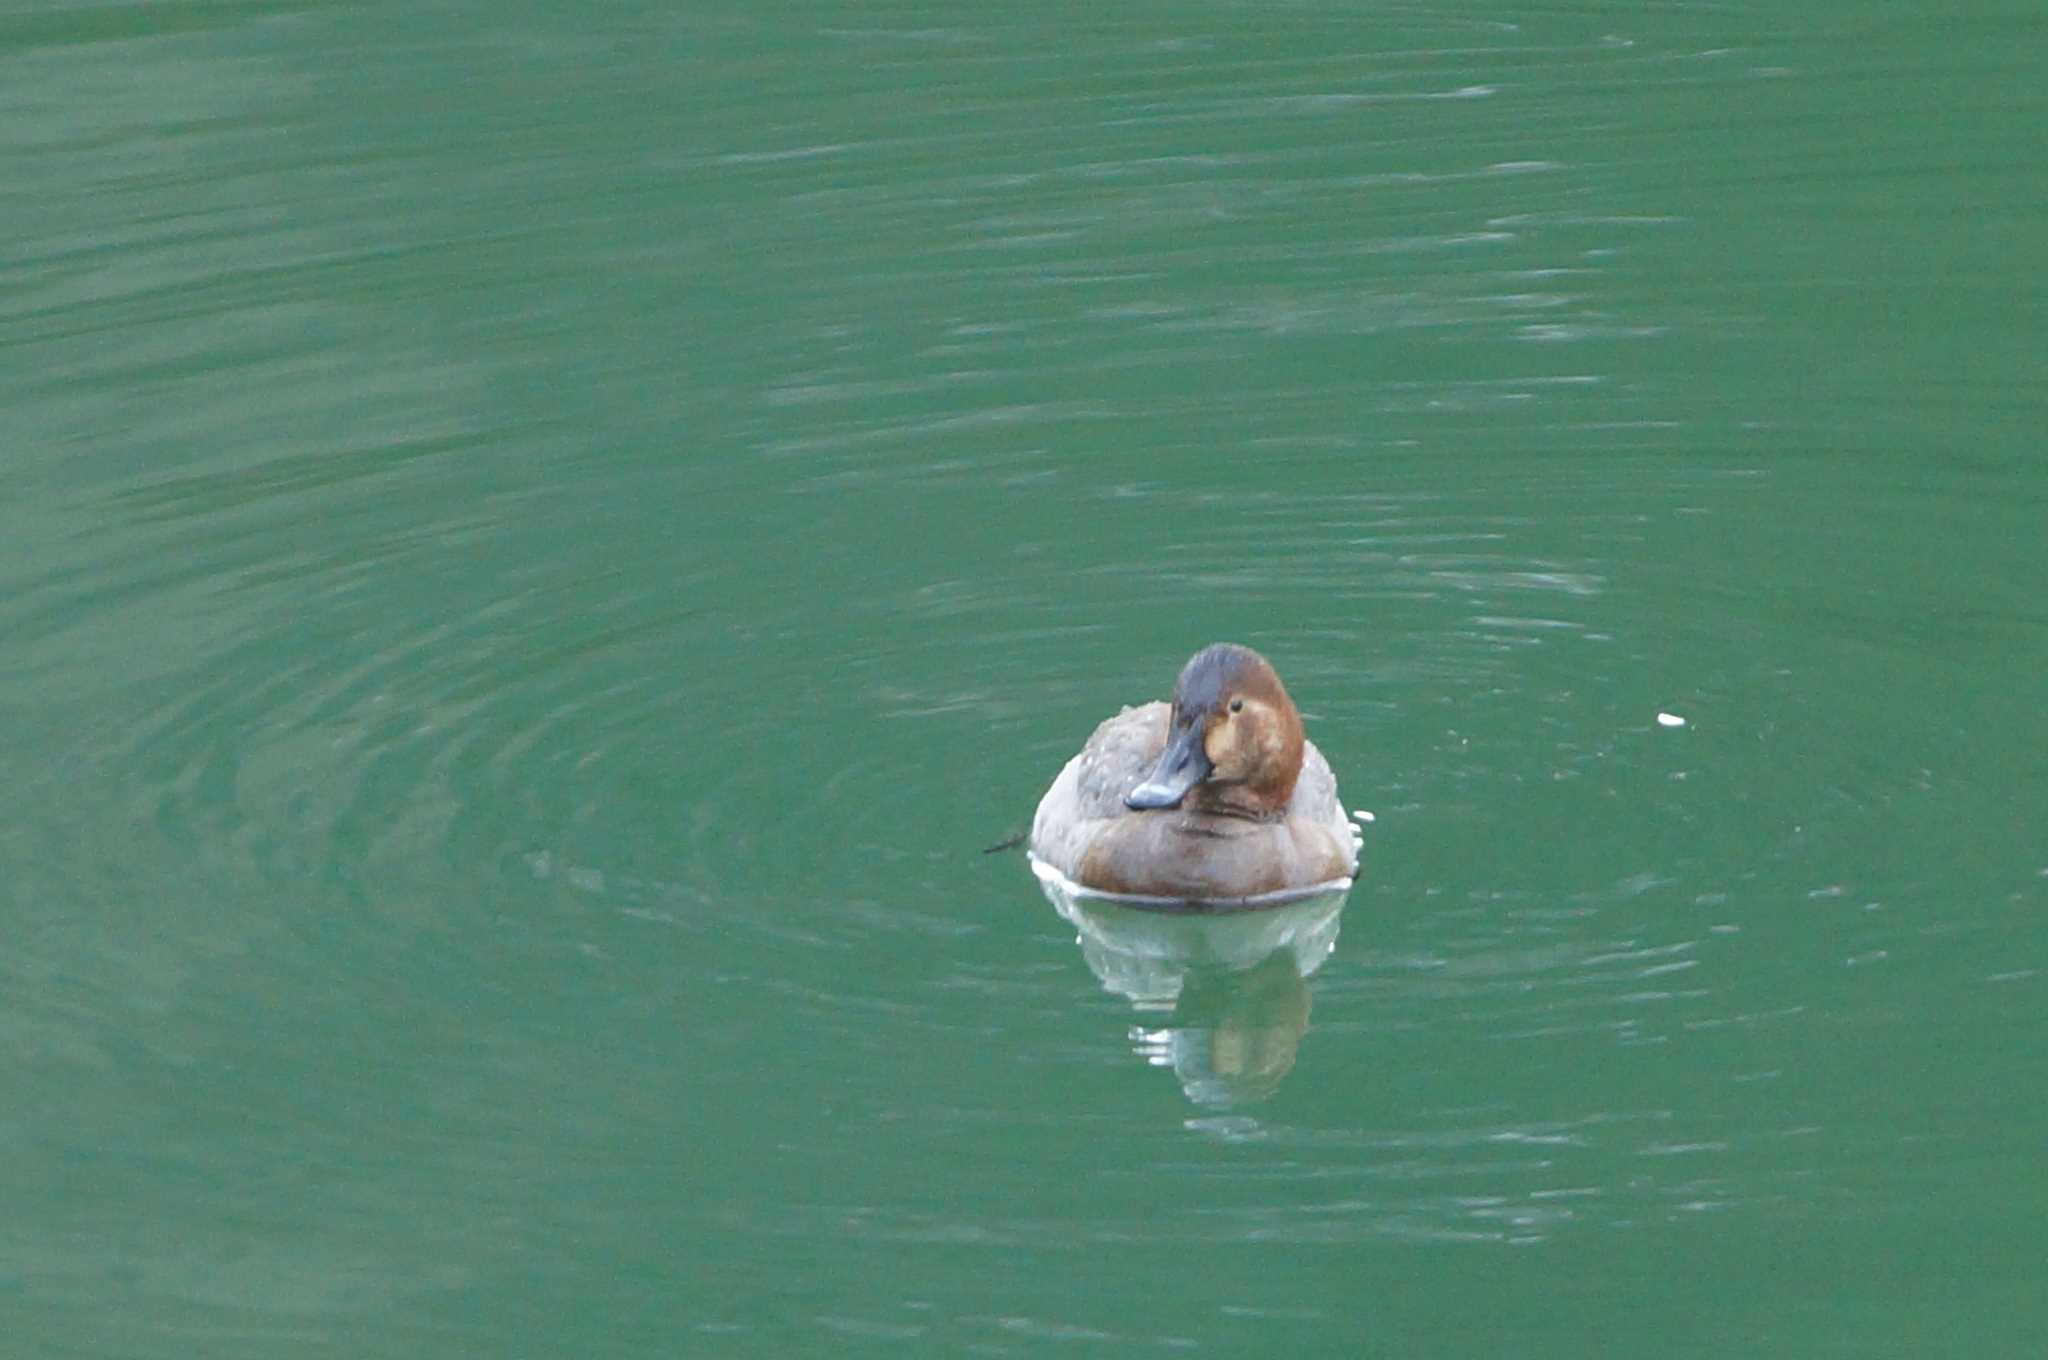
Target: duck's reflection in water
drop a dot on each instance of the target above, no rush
(1232, 984)
(1233, 1036)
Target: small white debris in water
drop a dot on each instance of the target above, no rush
(1670, 720)
(1361, 814)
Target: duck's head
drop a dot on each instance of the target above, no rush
(1233, 744)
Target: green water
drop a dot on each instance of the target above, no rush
(539, 544)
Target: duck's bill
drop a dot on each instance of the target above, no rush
(1181, 766)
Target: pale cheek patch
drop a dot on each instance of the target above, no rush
(1220, 745)
(1242, 743)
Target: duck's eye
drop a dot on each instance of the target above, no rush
(1237, 705)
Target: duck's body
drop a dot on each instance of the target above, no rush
(1218, 795)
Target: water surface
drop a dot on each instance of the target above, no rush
(540, 546)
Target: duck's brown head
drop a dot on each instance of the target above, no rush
(1233, 744)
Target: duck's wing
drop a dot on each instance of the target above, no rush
(1090, 789)
(1316, 801)
(1119, 755)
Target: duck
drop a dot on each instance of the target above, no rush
(1216, 795)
